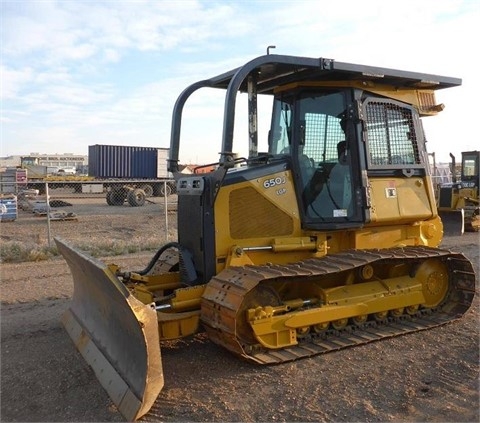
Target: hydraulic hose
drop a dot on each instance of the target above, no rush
(157, 256)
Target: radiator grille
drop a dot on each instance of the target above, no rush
(253, 216)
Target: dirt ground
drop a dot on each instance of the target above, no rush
(427, 376)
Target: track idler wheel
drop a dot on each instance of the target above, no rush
(433, 275)
(397, 312)
(360, 320)
(411, 310)
(339, 324)
(321, 327)
(303, 332)
(380, 316)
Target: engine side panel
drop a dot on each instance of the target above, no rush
(399, 200)
(254, 208)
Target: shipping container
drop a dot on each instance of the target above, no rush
(116, 161)
(8, 207)
(13, 180)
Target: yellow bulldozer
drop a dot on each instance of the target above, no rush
(459, 201)
(329, 239)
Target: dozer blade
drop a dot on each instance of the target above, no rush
(116, 334)
(453, 222)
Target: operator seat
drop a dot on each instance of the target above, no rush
(335, 198)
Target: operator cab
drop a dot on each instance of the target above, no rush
(333, 150)
(470, 175)
(350, 135)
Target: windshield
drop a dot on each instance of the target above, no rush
(469, 165)
(470, 174)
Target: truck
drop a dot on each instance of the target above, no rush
(328, 239)
(459, 201)
(122, 172)
(130, 173)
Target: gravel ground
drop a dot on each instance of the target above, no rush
(426, 376)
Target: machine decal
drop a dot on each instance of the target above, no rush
(391, 190)
(272, 182)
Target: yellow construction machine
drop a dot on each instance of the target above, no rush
(329, 239)
(459, 201)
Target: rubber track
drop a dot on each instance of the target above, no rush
(225, 293)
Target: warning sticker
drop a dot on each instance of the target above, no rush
(391, 192)
(340, 213)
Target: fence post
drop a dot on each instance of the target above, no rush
(48, 215)
(165, 208)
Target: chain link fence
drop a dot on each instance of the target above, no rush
(112, 221)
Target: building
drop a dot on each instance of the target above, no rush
(9, 161)
(65, 160)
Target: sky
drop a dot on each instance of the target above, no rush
(77, 73)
